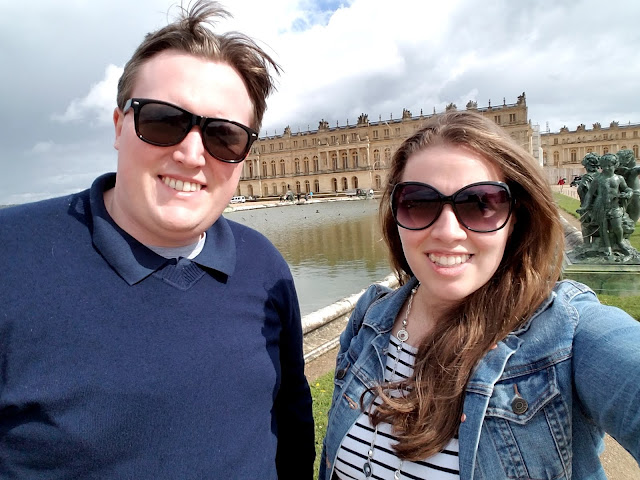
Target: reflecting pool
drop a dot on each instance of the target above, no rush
(334, 249)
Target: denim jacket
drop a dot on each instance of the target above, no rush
(575, 362)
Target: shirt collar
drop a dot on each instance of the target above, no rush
(132, 260)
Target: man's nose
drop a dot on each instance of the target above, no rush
(190, 151)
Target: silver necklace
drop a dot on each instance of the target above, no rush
(403, 336)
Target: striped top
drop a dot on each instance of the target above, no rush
(352, 454)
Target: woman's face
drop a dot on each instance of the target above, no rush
(451, 261)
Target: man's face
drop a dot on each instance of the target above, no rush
(142, 203)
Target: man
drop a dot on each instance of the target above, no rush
(142, 335)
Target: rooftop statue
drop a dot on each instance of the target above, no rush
(609, 209)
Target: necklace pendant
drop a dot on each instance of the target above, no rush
(397, 474)
(402, 335)
(366, 469)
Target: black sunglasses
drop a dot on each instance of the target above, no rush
(480, 207)
(164, 124)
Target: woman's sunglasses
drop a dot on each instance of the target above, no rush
(480, 207)
(163, 124)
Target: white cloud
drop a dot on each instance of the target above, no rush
(97, 106)
(340, 59)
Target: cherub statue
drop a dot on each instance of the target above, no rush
(590, 163)
(629, 170)
(605, 201)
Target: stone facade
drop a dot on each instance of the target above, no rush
(338, 159)
(563, 151)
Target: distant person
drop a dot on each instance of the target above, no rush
(480, 365)
(562, 181)
(142, 335)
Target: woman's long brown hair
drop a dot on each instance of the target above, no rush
(428, 416)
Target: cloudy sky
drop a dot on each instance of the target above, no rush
(577, 61)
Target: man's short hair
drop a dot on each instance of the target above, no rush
(191, 34)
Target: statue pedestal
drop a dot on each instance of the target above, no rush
(621, 280)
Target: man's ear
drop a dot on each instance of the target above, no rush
(118, 120)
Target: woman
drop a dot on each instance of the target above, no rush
(479, 366)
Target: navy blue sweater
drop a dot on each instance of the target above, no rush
(117, 363)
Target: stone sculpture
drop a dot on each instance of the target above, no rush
(609, 208)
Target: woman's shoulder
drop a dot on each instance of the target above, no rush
(571, 308)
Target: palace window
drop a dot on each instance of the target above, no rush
(333, 139)
(271, 146)
(354, 136)
(624, 134)
(295, 145)
(605, 150)
(316, 167)
(574, 155)
(345, 184)
(386, 133)
(282, 167)
(334, 161)
(376, 155)
(344, 138)
(556, 158)
(354, 182)
(264, 169)
(387, 155)
(378, 182)
(334, 184)
(297, 187)
(283, 188)
(512, 118)
(266, 190)
(296, 164)
(354, 158)
(496, 119)
(606, 136)
(375, 134)
(281, 145)
(555, 141)
(345, 161)
(316, 186)
(273, 168)
(307, 186)
(398, 131)
(304, 142)
(263, 148)
(306, 165)
(635, 150)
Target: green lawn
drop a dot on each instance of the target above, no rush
(321, 391)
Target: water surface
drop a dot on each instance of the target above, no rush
(334, 249)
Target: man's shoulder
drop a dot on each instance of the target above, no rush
(44, 214)
(46, 206)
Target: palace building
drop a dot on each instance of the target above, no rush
(563, 151)
(339, 159)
